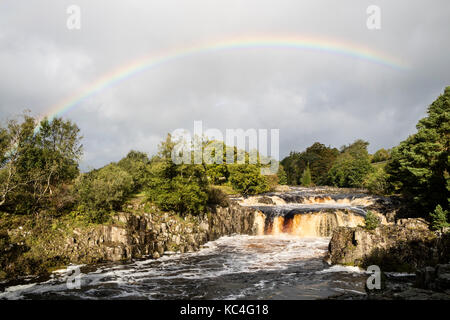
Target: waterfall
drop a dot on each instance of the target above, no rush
(311, 224)
(306, 214)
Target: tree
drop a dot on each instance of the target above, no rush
(182, 188)
(282, 177)
(104, 189)
(351, 166)
(419, 165)
(306, 177)
(376, 181)
(36, 161)
(290, 165)
(439, 218)
(12, 148)
(243, 177)
(247, 179)
(320, 159)
(135, 164)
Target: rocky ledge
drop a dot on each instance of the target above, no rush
(429, 283)
(404, 246)
(136, 236)
(130, 235)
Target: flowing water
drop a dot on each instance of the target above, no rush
(284, 261)
(235, 267)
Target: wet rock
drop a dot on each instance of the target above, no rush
(265, 200)
(437, 278)
(403, 247)
(425, 277)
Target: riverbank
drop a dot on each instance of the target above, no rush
(41, 244)
(38, 246)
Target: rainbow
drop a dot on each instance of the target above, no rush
(291, 42)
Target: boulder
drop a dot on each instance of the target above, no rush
(403, 247)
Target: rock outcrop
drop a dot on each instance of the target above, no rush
(405, 246)
(136, 236)
(434, 278)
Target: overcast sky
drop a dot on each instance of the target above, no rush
(309, 95)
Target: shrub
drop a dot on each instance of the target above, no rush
(217, 197)
(380, 155)
(376, 181)
(217, 173)
(272, 181)
(104, 189)
(371, 220)
(88, 215)
(183, 188)
(135, 164)
(247, 179)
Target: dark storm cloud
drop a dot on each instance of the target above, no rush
(310, 96)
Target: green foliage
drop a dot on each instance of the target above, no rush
(182, 188)
(135, 164)
(419, 166)
(217, 173)
(381, 155)
(351, 167)
(247, 179)
(306, 177)
(319, 158)
(227, 189)
(371, 220)
(439, 218)
(376, 181)
(35, 163)
(272, 181)
(243, 177)
(103, 190)
(87, 215)
(218, 197)
(282, 177)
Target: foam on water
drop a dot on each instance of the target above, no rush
(340, 268)
(233, 267)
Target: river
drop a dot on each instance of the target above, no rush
(233, 267)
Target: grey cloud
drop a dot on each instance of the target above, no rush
(309, 95)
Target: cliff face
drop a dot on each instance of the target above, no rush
(136, 236)
(405, 246)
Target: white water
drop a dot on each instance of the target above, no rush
(236, 267)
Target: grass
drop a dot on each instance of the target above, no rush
(379, 165)
(227, 189)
